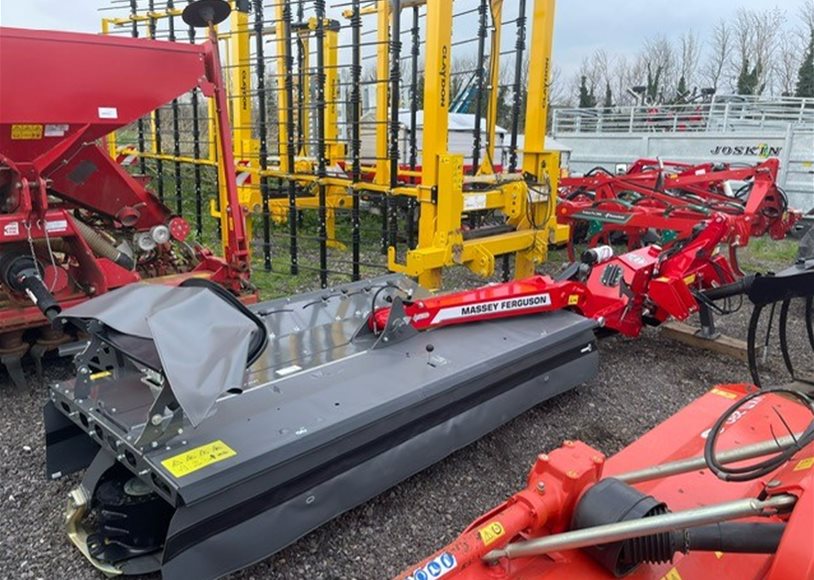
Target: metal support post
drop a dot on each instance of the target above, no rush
(356, 135)
(321, 152)
(395, 103)
(262, 128)
(477, 132)
(142, 163)
(415, 51)
(286, 127)
(196, 151)
(382, 116)
(542, 166)
(157, 144)
(240, 82)
(176, 125)
(436, 125)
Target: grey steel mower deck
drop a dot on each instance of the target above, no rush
(330, 416)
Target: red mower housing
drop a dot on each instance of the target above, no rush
(559, 480)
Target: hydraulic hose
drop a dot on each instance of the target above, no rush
(259, 339)
(101, 247)
(736, 537)
(730, 290)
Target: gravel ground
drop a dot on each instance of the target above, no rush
(641, 383)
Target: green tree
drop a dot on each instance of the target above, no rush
(608, 104)
(681, 91)
(587, 99)
(654, 83)
(748, 78)
(805, 76)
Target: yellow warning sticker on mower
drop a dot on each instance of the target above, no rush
(198, 458)
(26, 132)
(573, 299)
(803, 464)
(490, 533)
(723, 393)
(672, 575)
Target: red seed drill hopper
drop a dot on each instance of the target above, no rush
(73, 223)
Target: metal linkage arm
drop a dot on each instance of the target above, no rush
(518, 298)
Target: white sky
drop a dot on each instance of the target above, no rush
(618, 26)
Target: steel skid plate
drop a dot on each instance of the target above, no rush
(330, 416)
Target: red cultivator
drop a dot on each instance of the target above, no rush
(73, 223)
(664, 202)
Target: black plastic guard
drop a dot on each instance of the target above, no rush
(68, 449)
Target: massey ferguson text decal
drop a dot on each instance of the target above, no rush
(493, 307)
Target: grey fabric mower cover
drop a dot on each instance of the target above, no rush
(201, 341)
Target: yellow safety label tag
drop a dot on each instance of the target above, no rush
(490, 533)
(689, 279)
(26, 132)
(198, 458)
(803, 464)
(672, 575)
(723, 393)
(573, 300)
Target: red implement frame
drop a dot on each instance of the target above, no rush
(60, 94)
(671, 199)
(648, 284)
(558, 479)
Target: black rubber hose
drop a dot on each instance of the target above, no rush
(751, 344)
(730, 290)
(760, 469)
(737, 537)
(40, 296)
(259, 339)
(21, 273)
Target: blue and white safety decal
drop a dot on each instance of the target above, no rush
(436, 568)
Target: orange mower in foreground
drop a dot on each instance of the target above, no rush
(716, 490)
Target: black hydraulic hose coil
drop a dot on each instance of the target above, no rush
(259, 339)
(741, 473)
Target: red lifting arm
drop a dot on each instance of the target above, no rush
(619, 292)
